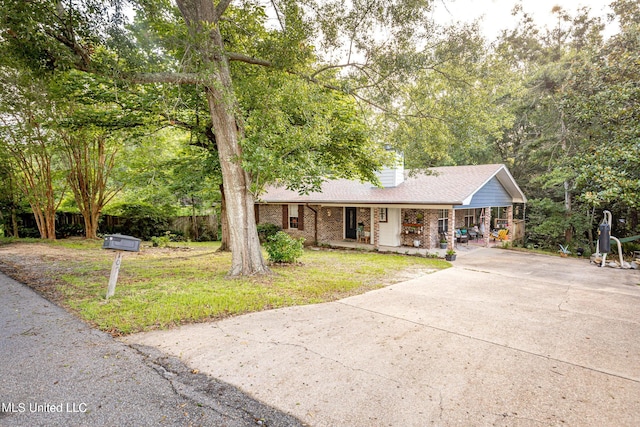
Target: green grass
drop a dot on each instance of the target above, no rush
(163, 287)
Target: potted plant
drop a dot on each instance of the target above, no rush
(451, 255)
(419, 218)
(443, 243)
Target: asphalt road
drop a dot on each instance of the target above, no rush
(502, 339)
(57, 371)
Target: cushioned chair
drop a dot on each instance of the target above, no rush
(462, 236)
(501, 234)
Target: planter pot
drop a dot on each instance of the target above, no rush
(443, 246)
(450, 257)
(416, 243)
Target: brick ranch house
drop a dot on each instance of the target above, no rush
(416, 211)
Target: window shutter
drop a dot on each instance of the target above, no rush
(301, 217)
(285, 217)
(256, 210)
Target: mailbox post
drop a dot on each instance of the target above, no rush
(119, 243)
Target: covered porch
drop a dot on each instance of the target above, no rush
(404, 250)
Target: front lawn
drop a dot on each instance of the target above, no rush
(163, 287)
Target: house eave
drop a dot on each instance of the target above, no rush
(403, 205)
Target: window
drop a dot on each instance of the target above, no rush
(469, 218)
(293, 216)
(443, 221)
(383, 214)
(499, 217)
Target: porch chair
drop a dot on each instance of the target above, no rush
(500, 234)
(462, 236)
(366, 235)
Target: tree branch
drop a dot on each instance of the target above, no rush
(189, 78)
(193, 78)
(168, 77)
(248, 59)
(275, 7)
(221, 8)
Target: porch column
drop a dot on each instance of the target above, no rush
(510, 222)
(452, 229)
(487, 226)
(375, 228)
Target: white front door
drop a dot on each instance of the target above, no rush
(390, 230)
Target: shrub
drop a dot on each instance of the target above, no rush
(66, 230)
(283, 248)
(161, 241)
(29, 232)
(144, 221)
(267, 230)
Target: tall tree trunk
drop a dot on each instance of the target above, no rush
(568, 233)
(245, 246)
(91, 224)
(90, 166)
(14, 222)
(225, 245)
(246, 255)
(194, 220)
(14, 214)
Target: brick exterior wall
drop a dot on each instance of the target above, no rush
(410, 216)
(330, 221)
(330, 224)
(272, 214)
(510, 222)
(429, 237)
(432, 230)
(487, 226)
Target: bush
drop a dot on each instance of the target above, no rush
(144, 221)
(162, 241)
(30, 232)
(283, 248)
(267, 230)
(65, 230)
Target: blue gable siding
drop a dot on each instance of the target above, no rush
(491, 194)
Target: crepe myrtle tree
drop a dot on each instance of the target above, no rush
(214, 45)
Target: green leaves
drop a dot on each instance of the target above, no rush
(299, 134)
(604, 98)
(283, 248)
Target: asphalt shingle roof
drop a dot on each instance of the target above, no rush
(448, 185)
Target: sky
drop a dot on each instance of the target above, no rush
(497, 13)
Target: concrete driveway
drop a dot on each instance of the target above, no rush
(503, 338)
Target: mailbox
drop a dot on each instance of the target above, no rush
(604, 238)
(121, 242)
